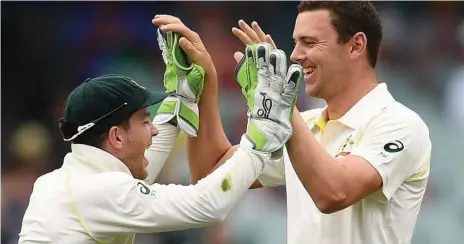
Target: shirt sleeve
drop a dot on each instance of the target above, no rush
(273, 174)
(160, 149)
(121, 204)
(396, 146)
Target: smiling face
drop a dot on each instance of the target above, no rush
(132, 141)
(325, 60)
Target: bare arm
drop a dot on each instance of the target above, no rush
(211, 147)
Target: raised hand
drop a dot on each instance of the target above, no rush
(189, 40)
(270, 90)
(186, 59)
(248, 35)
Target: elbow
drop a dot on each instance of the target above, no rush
(211, 211)
(213, 217)
(218, 218)
(332, 203)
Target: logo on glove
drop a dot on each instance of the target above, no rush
(267, 105)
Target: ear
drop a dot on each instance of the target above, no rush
(358, 45)
(116, 137)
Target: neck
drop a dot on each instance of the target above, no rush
(356, 88)
(107, 148)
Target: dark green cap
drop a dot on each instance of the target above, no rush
(102, 102)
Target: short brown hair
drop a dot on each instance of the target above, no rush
(97, 140)
(350, 17)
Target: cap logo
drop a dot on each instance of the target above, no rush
(133, 81)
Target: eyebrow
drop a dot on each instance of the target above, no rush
(310, 38)
(146, 114)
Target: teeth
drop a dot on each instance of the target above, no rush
(308, 70)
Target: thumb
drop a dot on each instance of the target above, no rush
(238, 56)
(187, 46)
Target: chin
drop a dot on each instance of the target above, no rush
(144, 175)
(141, 175)
(311, 91)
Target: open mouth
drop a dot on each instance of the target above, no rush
(308, 72)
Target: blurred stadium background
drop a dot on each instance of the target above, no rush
(49, 48)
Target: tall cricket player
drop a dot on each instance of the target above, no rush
(356, 170)
(104, 192)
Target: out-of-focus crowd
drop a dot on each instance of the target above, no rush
(49, 48)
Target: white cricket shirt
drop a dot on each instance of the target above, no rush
(374, 129)
(93, 198)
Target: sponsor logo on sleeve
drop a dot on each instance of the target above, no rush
(145, 190)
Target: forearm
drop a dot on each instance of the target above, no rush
(205, 150)
(322, 176)
(210, 200)
(160, 149)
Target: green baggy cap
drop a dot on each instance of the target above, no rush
(102, 102)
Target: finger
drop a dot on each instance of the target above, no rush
(270, 40)
(278, 63)
(259, 32)
(182, 30)
(162, 45)
(238, 56)
(250, 53)
(240, 68)
(248, 31)
(241, 36)
(293, 77)
(277, 82)
(263, 50)
(188, 47)
(165, 19)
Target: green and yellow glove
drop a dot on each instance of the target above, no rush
(271, 91)
(184, 83)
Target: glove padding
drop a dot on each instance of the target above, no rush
(271, 90)
(184, 83)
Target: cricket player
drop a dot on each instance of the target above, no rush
(356, 170)
(104, 192)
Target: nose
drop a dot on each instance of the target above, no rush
(154, 130)
(297, 55)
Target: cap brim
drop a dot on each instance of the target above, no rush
(154, 101)
(154, 98)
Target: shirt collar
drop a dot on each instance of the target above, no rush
(93, 159)
(363, 110)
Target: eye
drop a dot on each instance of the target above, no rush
(310, 43)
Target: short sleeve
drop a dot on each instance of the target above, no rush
(396, 145)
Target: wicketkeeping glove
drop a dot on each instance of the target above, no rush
(270, 90)
(184, 82)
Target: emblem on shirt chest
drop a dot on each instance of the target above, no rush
(345, 148)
